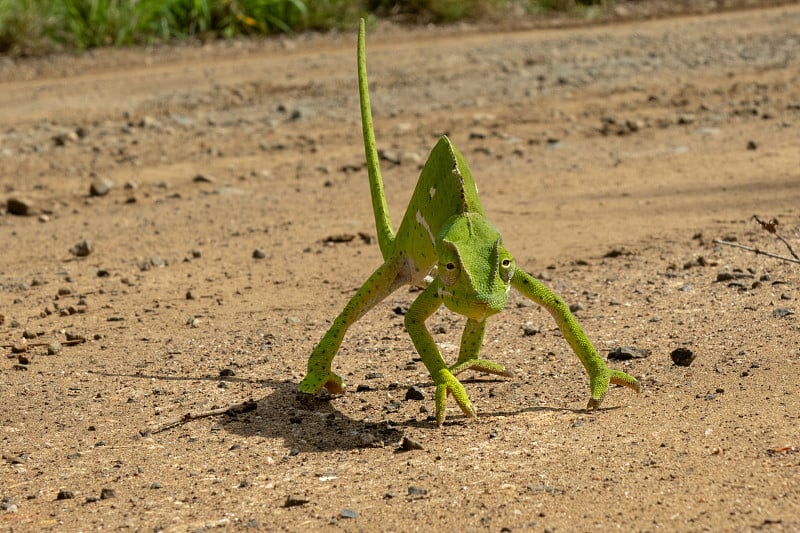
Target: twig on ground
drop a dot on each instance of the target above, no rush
(772, 227)
(238, 408)
(757, 251)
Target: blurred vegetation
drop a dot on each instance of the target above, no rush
(40, 26)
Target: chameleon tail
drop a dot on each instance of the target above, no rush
(383, 222)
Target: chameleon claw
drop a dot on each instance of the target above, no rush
(314, 382)
(600, 385)
(447, 383)
(621, 378)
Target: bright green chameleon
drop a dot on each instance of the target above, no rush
(446, 244)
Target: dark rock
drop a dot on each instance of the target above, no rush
(408, 444)
(19, 207)
(81, 249)
(295, 501)
(682, 356)
(415, 393)
(624, 353)
(416, 492)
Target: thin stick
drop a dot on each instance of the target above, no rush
(169, 424)
(757, 251)
(772, 227)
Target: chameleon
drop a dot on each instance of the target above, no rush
(447, 247)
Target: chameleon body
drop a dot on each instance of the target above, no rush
(446, 244)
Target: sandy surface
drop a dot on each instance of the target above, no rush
(611, 157)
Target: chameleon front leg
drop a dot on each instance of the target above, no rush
(424, 306)
(468, 355)
(379, 285)
(600, 376)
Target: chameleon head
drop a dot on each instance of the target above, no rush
(474, 268)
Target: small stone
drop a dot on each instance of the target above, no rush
(415, 393)
(348, 513)
(295, 501)
(624, 353)
(781, 312)
(155, 485)
(374, 375)
(107, 493)
(529, 330)
(8, 504)
(19, 347)
(100, 187)
(203, 178)
(338, 238)
(19, 207)
(74, 337)
(227, 373)
(682, 356)
(54, 348)
(752, 145)
(258, 253)
(81, 249)
(65, 494)
(416, 493)
(408, 444)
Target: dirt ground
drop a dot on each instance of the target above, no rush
(611, 157)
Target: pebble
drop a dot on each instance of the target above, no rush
(8, 504)
(348, 513)
(415, 393)
(529, 330)
(258, 253)
(54, 348)
(781, 312)
(81, 249)
(107, 493)
(19, 206)
(408, 444)
(682, 356)
(65, 494)
(295, 501)
(624, 353)
(416, 492)
(203, 178)
(100, 187)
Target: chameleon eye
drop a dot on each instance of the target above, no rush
(506, 263)
(450, 266)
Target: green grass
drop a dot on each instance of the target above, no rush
(40, 26)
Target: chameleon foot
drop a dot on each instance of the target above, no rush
(447, 382)
(481, 365)
(599, 386)
(314, 382)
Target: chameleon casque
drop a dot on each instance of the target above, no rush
(446, 244)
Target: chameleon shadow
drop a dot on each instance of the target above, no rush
(308, 424)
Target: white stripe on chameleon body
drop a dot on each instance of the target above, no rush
(421, 220)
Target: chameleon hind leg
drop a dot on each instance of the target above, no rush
(380, 284)
(468, 355)
(424, 306)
